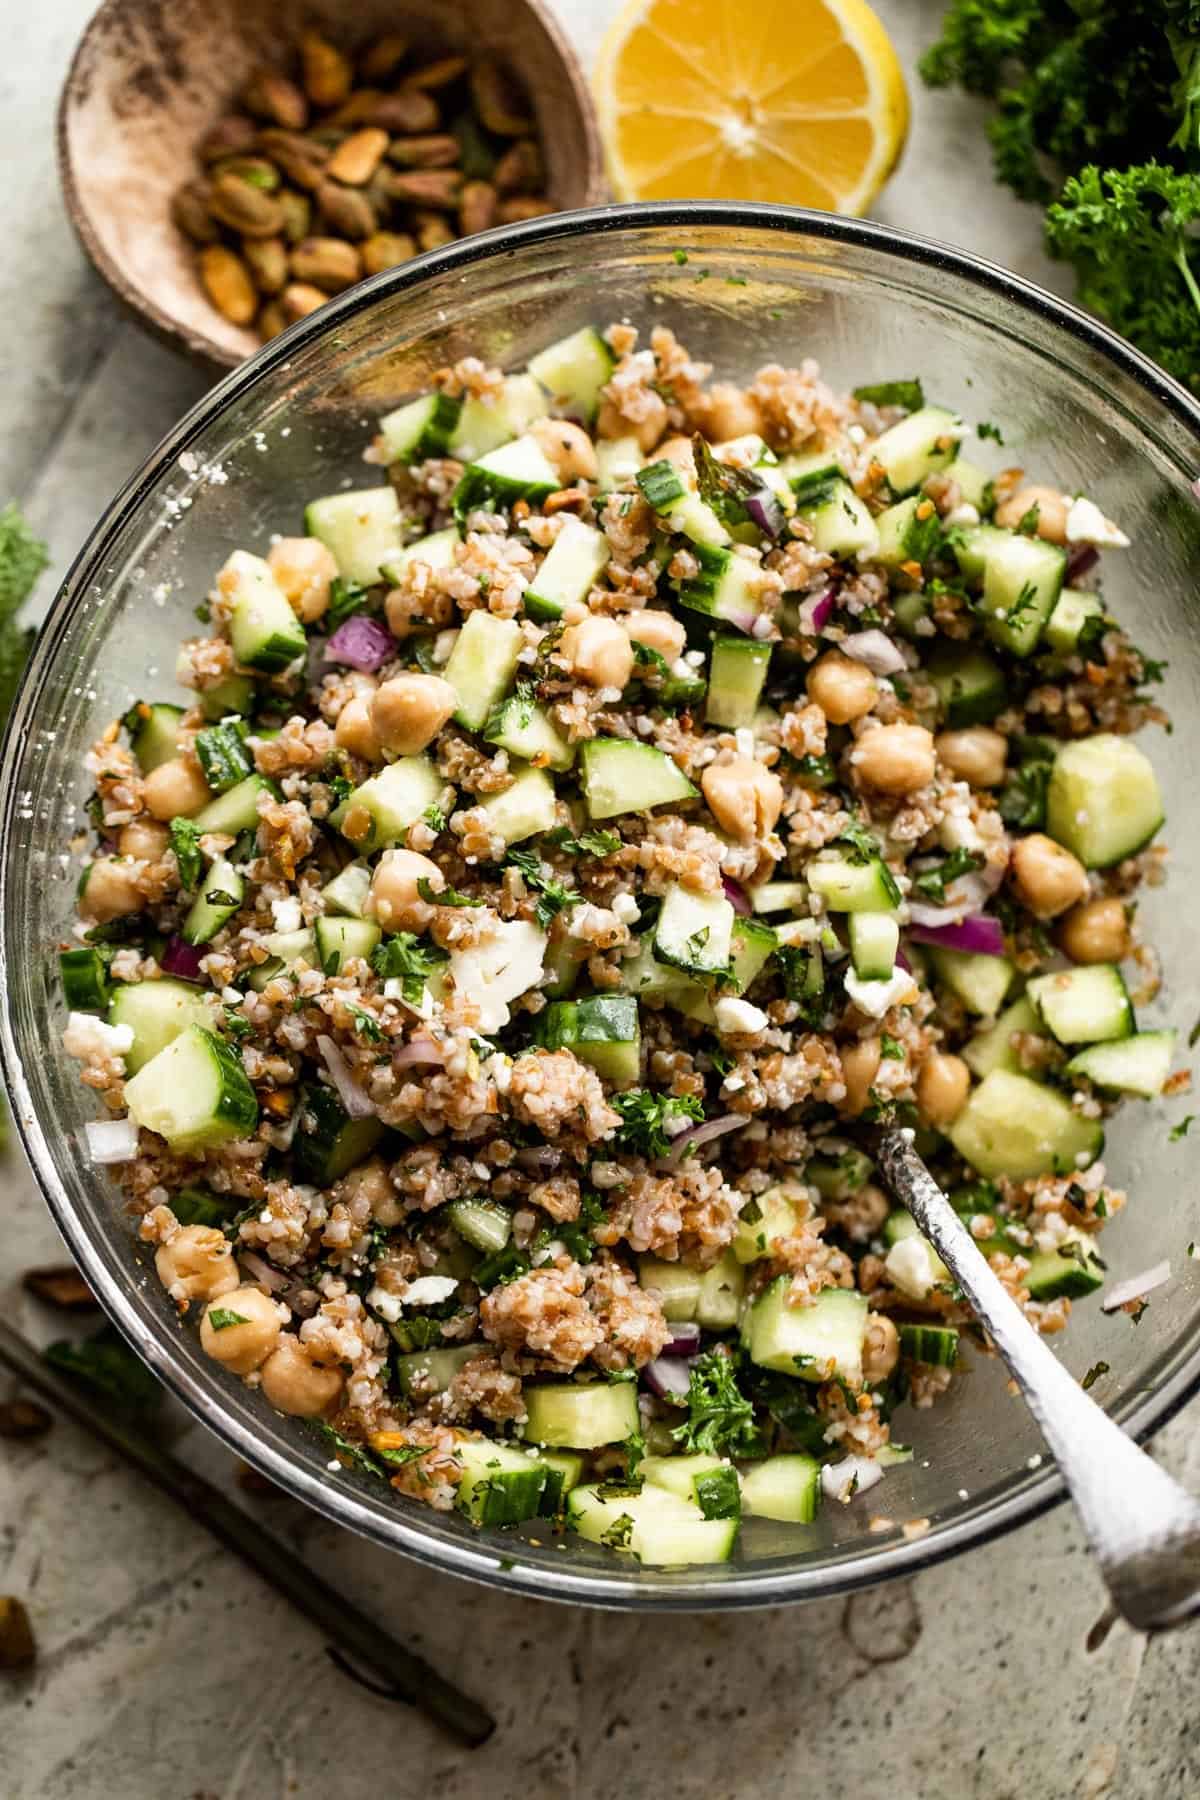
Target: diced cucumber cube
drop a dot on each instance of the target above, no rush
(981, 982)
(420, 429)
(564, 1471)
(839, 1177)
(263, 629)
(719, 1304)
(617, 463)
(529, 806)
(236, 811)
(481, 666)
(1078, 621)
(573, 371)
(483, 1223)
(85, 983)
(737, 673)
(222, 890)
(347, 892)
(194, 1093)
(656, 1527)
(1103, 802)
(286, 947)
(724, 587)
(601, 1030)
(328, 1141)
(705, 1481)
(437, 551)
(874, 941)
(849, 886)
(363, 529)
(156, 1012)
(1133, 1065)
(992, 1047)
(236, 694)
(516, 471)
(677, 1286)
(811, 477)
(816, 1341)
(778, 896)
(425, 1372)
(622, 775)
(485, 425)
(154, 732)
(1084, 1006)
(918, 447)
(573, 564)
(1014, 1127)
(581, 1415)
(841, 525)
(975, 485)
(380, 812)
(694, 931)
(785, 1487)
(525, 729)
(1074, 1271)
(762, 1222)
(933, 1344)
(969, 684)
(500, 1485)
(1022, 578)
(341, 941)
(750, 948)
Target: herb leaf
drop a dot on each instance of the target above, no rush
(185, 842)
(720, 1418)
(644, 1116)
(553, 895)
(446, 896)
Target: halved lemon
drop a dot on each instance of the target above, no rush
(798, 101)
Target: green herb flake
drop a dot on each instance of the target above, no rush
(366, 1024)
(1181, 1130)
(907, 394)
(720, 1418)
(891, 1048)
(446, 896)
(645, 1116)
(618, 1534)
(406, 954)
(435, 818)
(589, 843)
(554, 896)
(185, 842)
(221, 1318)
(345, 599)
(985, 429)
(1093, 1375)
(680, 256)
(932, 883)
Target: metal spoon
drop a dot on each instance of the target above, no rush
(1143, 1527)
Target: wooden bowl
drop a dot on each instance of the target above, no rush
(150, 76)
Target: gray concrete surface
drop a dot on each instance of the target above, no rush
(168, 1672)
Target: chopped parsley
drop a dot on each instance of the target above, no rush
(680, 256)
(618, 1534)
(447, 896)
(908, 394)
(236, 1022)
(366, 1023)
(859, 844)
(553, 895)
(1027, 526)
(1093, 1375)
(931, 883)
(644, 1116)
(720, 1417)
(1181, 1130)
(185, 842)
(342, 789)
(891, 1048)
(434, 817)
(985, 429)
(405, 954)
(350, 1455)
(588, 843)
(345, 599)
(576, 1234)
(222, 1317)
(404, 1453)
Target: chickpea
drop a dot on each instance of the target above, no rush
(1048, 879)
(860, 1065)
(144, 839)
(567, 447)
(843, 688)
(678, 451)
(861, 1216)
(197, 1264)
(942, 1089)
(394, 899)
(371, 1182)
(896, 759)
(732, 412)
(1052, 512)
(976, 754)
(294, 1384)
(176, 789)
(306, 570)
(243, 1347)
(658, 631)
(744, 797)
(355, 730)
(409, 710)
(612, 423)
(110, 891)
(1095, 932)
(881, 1348)
(599, 652)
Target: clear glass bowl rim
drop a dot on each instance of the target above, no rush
(340, 1504)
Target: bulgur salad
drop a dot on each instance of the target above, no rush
(571, 843)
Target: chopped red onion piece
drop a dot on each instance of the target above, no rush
(274, 1280)
(1136, 1287)
(735, 893)
(876, 650)
(668, 1376)
(361, 643)
(181, 960)
(696, 1135)
(902, 962)
(685, 1339)
(766, 511)
(418, 1050)
(812, 615)
(978, 936)
(352, 1097)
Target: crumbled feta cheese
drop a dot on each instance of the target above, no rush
(393, 989)
(909, 1267)
(744, 737)
(626, 908)
(500, 1070)
(287, 914)
(495, 971)
(429, 1290)
(962, 514)
(85, 1037)
(878, 997)
(111, 1140)
(734, 1015)
(388, 1306)
(1086, 524)
(853, 1475)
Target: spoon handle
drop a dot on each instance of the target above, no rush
(1143, 1527)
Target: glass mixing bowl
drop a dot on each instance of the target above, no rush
(741, 285)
